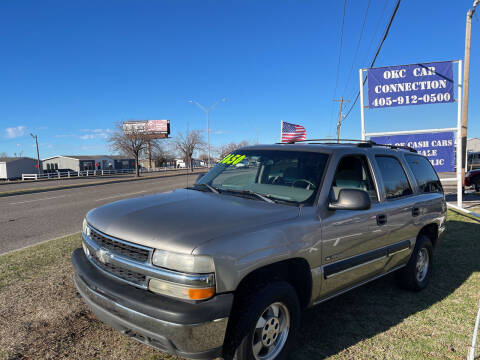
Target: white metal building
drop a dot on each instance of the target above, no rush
(87, 162)
(473, 145)
(14, 167)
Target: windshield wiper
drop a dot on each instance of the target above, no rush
(209, 187)
(263, 197)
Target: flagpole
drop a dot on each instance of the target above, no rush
(281, 130)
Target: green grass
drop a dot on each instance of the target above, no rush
(42, 318)
(27, 263)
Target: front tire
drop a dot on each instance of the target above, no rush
(264, 323)
(416, 274)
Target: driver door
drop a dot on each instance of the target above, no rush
(352, 239)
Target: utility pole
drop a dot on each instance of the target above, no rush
(339, 124)
(149, 153)
(466, 78)
(38, 154)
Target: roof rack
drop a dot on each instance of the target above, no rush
(395, 146)
(358, 143)
(326, 141)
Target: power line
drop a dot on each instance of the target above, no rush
(376, 55)
(341, 44)
(339, 52)
(357, 48)
(377, 26)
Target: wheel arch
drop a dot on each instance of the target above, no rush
(431, 231)
(295, 271)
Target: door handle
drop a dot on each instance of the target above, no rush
(415, 211)
(381, 219)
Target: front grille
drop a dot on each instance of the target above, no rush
(124, 274)
(131, 252)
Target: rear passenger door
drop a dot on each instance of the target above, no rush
(351, 238)
(399, 209)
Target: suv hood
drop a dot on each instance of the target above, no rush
(184, 219)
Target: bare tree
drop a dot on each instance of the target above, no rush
(161, 154)
(3, 154)
(131, 143)
(187, 144)
(228, 148)
(204, 157)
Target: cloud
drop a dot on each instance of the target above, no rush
(90, 134)
(87, 137)
(95, 133)
(14, 132)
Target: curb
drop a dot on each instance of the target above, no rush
(73, 186)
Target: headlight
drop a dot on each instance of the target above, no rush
(84, 226)
(197, 264)
(180, 291)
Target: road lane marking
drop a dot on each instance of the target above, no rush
(29, 201)
(120, 195)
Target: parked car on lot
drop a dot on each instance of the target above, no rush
(472, 178)
(225, 267)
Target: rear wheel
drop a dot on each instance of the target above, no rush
(416, 274)
(264, 324)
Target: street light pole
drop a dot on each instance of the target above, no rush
(207, 112)
(466, 78)
(38, 154)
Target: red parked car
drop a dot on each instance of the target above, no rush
(472, 178)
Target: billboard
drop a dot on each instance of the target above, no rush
(155, 129)
(415, 84)
(438, 147)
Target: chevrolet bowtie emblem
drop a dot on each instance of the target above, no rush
(102, 256)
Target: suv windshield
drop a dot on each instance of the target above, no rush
(284, 176)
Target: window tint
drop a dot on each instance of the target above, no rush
(394, 178)
(353, 173)
(426, 176)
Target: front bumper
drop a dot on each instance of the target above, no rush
(188, 330)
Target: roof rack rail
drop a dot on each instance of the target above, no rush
(359, 143)
(327, 141)
(395, 146)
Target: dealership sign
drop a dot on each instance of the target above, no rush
(438, 147)
(416, 84)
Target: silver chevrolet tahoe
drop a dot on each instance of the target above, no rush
(224, 268)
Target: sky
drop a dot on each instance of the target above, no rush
(70, 70)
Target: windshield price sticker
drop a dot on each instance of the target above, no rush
(232, 159)
(415, 84)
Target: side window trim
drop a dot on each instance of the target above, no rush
(413, 189)
(369, 168)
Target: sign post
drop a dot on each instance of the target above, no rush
(417, 84)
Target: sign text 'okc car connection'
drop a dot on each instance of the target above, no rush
(416, 84)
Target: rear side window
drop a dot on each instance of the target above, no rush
(394, 177)
(426, 176)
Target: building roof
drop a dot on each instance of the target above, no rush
(90, 157)
(10, 159)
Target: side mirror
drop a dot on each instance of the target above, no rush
(199, 177)
(351, 199)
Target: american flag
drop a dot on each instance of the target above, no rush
(293, 132)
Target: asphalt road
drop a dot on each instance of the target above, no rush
(32, 218)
